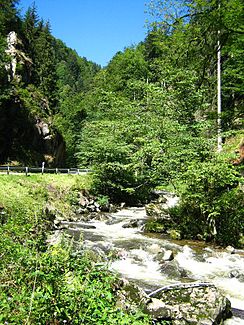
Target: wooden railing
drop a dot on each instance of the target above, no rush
(42, 170)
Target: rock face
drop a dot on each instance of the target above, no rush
(49, 142)
(14, 50)
(196, 305)
(27, 134)
(240, 152)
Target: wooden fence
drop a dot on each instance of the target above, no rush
(42, 170)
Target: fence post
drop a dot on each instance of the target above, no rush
(8, 170)
(43, 164)
(56, 170)
(26, 171)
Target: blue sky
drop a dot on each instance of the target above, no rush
(96, 29)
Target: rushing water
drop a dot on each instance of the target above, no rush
(137, 256)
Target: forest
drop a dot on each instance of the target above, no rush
(147, 121)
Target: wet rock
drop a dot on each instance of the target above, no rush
(57, 222)
(200, 305)
(157, 309)
(237, 274)
(91, 208)
(112, 208)
(99, 253)
(121, 254)
(112, 221)
(168, 256)
(130, 296)
(154, 249)
(103, 217)
(230, 249)
(134, 224)
(86, 226)
(173, 269)
(107, 248)
(91, 216)
(83, 201)
(82, 211)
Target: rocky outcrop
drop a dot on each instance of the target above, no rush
(18, 57)
(181, 304)
(89, 205)
(49, 142)
(196, 304)
(130, 296)
(135, 223)
(27, 134)
(240, 152)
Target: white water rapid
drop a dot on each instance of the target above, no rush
(137, 256)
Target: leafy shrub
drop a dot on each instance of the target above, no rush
(212, 204)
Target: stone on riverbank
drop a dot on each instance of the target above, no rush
(199, 305)
(181, 304)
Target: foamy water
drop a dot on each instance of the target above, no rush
(137, 257)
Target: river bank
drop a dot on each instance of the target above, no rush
(50, 284)
(42, 280)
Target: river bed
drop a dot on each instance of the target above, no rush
(137, 256)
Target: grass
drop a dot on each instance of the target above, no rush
(42, 284)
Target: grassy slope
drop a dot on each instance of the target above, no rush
(49, 285)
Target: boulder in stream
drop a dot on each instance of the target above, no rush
(130, 296)
(181, 304)
(196, 304)
(168, 255)
(173, 269)
(135, 223)
(157, 210)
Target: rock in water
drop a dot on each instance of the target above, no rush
(196, 305)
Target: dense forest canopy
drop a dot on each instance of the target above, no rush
(147, 120)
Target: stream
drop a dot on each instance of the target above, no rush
(138, 256)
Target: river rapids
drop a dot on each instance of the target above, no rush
(137, 257)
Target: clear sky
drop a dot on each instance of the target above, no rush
(96, 29)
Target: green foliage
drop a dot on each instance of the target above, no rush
(69, 122)
(154, 225)
(59, 283)
(148, 119)
(211, 203)
(137, 145)
(64, 286)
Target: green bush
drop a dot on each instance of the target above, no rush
(212, 203)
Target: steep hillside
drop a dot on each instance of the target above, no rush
(40, 76)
